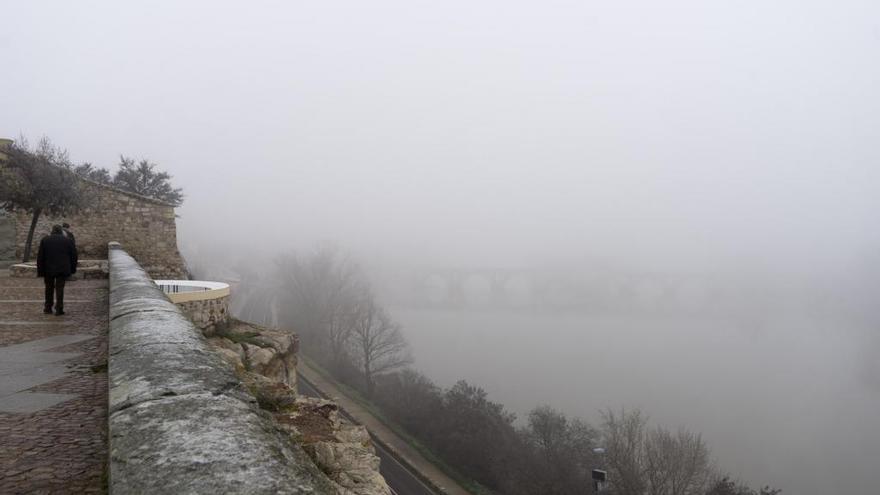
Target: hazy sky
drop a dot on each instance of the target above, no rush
(495, 131)
(683, 134)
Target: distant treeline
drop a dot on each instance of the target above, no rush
(326, 297)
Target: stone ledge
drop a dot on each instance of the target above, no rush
(85, 270)
(180, 420)
(203, 443)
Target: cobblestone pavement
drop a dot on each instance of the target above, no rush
(61, 448)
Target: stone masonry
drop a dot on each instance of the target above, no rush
(145, 226)
(7, 237)
(209, 315)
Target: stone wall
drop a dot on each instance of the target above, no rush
(145, 226)
(7, 236)
(180, 419)
(208, 315)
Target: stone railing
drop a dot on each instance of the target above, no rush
(180, 420)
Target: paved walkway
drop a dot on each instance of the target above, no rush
(378, 429)
(53, 389)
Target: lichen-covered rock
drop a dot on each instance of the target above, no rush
(271, 353)
(224, 343)
(265, 361)
(205, 443)
(343, 451)
(349, 433)
(271, 395)
(231, 357)
(352, 466)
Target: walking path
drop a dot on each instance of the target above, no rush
(397, 445)
(53, 389)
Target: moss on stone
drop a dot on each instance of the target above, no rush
(252, 338)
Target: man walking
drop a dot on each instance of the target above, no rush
(56, 260)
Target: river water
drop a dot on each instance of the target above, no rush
(780, 401)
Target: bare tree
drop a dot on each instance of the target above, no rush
(256, 300)
(654, 461)
(318, 297)
(341, 319)
(727, 486)
(563, 450)
(624, 437)
(676, 463)
(377, 344)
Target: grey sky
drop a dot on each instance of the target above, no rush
(493, 130)
(676, 134)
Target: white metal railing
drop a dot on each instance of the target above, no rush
(192, 290)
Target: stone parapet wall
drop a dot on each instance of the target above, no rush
(208, 315)
(180, 420)
(146, 228)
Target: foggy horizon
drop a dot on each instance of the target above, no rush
(738, 140)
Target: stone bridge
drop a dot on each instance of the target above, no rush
(464, 288)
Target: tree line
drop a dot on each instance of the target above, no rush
(42, 179)
(326, 298)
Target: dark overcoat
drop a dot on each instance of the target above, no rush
(56, 256)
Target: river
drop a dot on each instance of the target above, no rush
(780, 401)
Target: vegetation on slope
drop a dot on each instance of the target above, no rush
(326, 297)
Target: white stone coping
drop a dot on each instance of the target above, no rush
(210, 290)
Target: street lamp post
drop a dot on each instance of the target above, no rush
(599, 475)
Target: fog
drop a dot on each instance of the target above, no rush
(731, 142)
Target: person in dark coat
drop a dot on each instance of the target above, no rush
(56, 260)
(67, 233)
